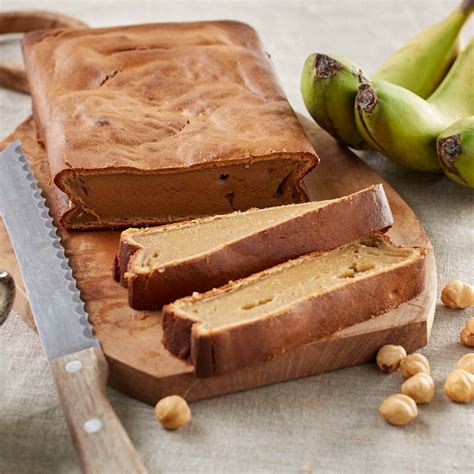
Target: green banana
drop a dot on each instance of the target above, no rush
(403, 126)
(422, 63)
(400, 124)
(329, 86)
(455, 95)
(455, 147)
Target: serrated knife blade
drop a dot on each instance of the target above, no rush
(55, 301)
(78, 364)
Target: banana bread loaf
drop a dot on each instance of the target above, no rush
(291, 304)
(164, 263)
(150, 124)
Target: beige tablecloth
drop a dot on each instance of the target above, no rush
(326, 423)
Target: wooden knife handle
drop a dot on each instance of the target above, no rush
(100, 440)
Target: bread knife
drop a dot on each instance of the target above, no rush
(78, 364)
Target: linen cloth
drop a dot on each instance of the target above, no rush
(325, 423)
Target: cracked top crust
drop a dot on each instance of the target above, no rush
(158, 96)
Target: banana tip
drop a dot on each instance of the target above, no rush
(467, 6)
(366, 98)
(326, 67)
(449, 148)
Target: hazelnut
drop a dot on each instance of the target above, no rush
(413, 364)
(173, 412)
(466, 363)
(467, 334)
(458, 295)
(459, 386)
(398, 409)
(389, 357)
(420, 387)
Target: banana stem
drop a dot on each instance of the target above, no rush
(326, 67)
(366, 98)
(467, 6)
(448, 150)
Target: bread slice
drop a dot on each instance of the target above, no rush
(162, 264)
(294, 303)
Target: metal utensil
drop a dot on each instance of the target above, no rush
(79, 366)
(7, 295)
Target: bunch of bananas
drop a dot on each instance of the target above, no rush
(417, 109)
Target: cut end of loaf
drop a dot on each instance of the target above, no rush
(117, 198)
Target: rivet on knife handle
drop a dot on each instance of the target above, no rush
(100, 440)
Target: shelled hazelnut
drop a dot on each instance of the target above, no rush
(459, 386)
(458, 295)
(173, 412)
(420, 387)
(413, 364)
(466, 363)
(398, 409)
(389, 357)
(467, 334)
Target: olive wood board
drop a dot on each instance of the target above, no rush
(139, 364)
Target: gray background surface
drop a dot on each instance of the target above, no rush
(326, 423)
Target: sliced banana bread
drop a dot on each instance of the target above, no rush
(294, 303)
(162, 264)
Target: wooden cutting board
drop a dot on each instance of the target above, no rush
(131, 340)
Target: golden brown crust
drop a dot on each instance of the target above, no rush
(341, 221)
(155, 98)
(218, 352)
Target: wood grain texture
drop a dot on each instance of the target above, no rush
(100, 439)
(131, 340)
